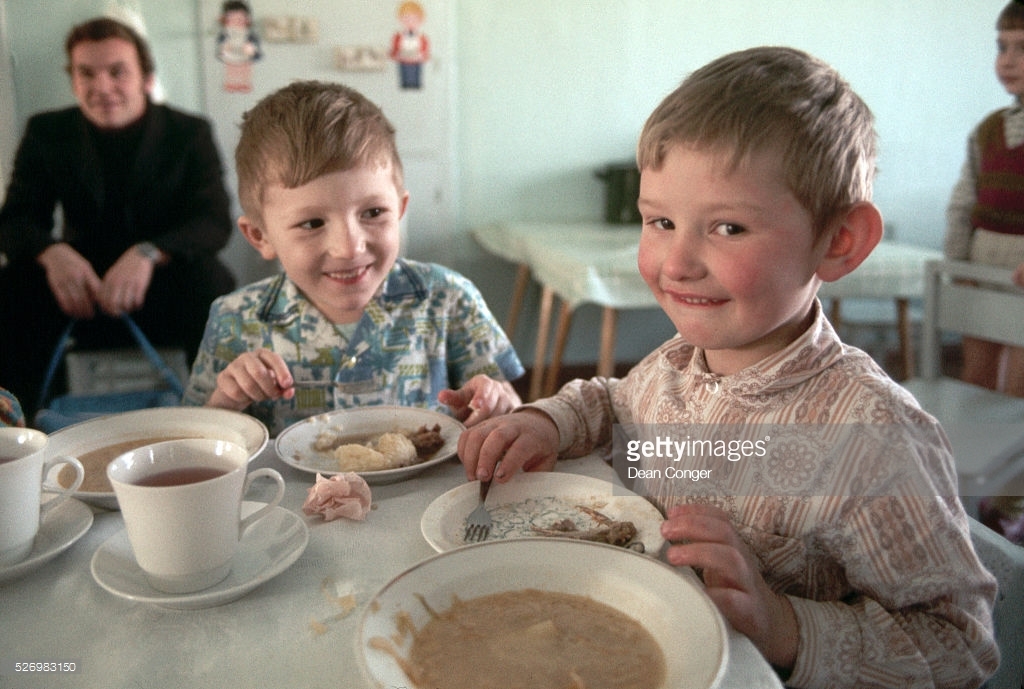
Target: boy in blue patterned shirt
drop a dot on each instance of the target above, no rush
(348, 323)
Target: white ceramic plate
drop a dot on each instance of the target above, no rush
(58, 531)
(539, 500)
(295, 444)
(162, 422)
(670, 603)
(266, 549)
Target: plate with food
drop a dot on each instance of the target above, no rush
(543, 613)
(98, 441)
(551, 504)
(382, 444)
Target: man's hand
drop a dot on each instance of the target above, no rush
(74, 283)
(125, 285)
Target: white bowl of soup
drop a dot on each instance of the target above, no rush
(538, 612)
(96, 442)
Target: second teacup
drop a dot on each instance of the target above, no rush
(181, 501)
(23, 468)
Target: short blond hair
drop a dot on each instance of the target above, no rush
(305, 130)
(781, 100)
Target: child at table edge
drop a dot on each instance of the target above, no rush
(756, 178)
(321, 187)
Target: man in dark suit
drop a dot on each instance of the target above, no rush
(140, 190)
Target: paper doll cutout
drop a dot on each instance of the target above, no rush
(410, 47)
(238, 46)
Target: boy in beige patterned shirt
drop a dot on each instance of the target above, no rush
(842, 550)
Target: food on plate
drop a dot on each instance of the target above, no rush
(531, 639)
(95, 464)
(427, 440)
(390, 450)
(609, 531)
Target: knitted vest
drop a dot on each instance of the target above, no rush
(1000, 204)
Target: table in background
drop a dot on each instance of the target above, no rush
(892, 271)
(58, 613)
(595, 262)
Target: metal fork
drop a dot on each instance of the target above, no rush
(478, 523)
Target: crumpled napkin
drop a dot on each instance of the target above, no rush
(342, 495)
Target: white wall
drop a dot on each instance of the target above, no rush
(545, 92)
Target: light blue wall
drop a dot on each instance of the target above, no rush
(548, 91)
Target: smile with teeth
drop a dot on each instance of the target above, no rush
(697, 301)
(352, 274)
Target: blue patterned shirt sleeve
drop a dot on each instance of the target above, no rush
(427, 329)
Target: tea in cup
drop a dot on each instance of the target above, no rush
(23, 468)
(182, 502)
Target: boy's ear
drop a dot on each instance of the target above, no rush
(856, 237)
(255, 236)
(404, 204)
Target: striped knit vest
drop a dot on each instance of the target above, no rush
(1000, 204)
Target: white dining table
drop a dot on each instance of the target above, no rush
(288, 632)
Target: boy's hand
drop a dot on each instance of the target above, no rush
(704, 538)
(480, 398)
(1018, 275)
(252, 377)
(526, 440)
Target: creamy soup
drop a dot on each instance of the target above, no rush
(530, 639)
(95, 464)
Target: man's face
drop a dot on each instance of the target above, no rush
(107, 80)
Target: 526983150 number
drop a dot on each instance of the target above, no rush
(46, 666)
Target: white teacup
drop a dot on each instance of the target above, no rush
(182, 501)
(23, 466)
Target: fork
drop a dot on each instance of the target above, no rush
(478, 523)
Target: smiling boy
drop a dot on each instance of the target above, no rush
(348, 323)
(847, 564)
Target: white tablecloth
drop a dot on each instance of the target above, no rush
(58, 613)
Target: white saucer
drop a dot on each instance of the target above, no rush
(64, 525)
(267, 548)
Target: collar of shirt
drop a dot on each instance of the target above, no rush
(815, 350)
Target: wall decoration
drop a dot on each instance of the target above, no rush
(360, 58)
(238, 46)
(288, 29)
(410, 47)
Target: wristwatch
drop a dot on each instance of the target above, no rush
(150, 251)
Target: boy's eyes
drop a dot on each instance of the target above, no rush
(373, 213)
(317, 223)
(725, 229)
(662, 224)
(728, 229)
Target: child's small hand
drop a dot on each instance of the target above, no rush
(252, 377)
(480, 398)
(704, 538)
(526, 440)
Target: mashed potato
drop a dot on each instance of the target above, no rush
(389, 451)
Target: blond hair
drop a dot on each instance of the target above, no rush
(305, 130)
(776, 100)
